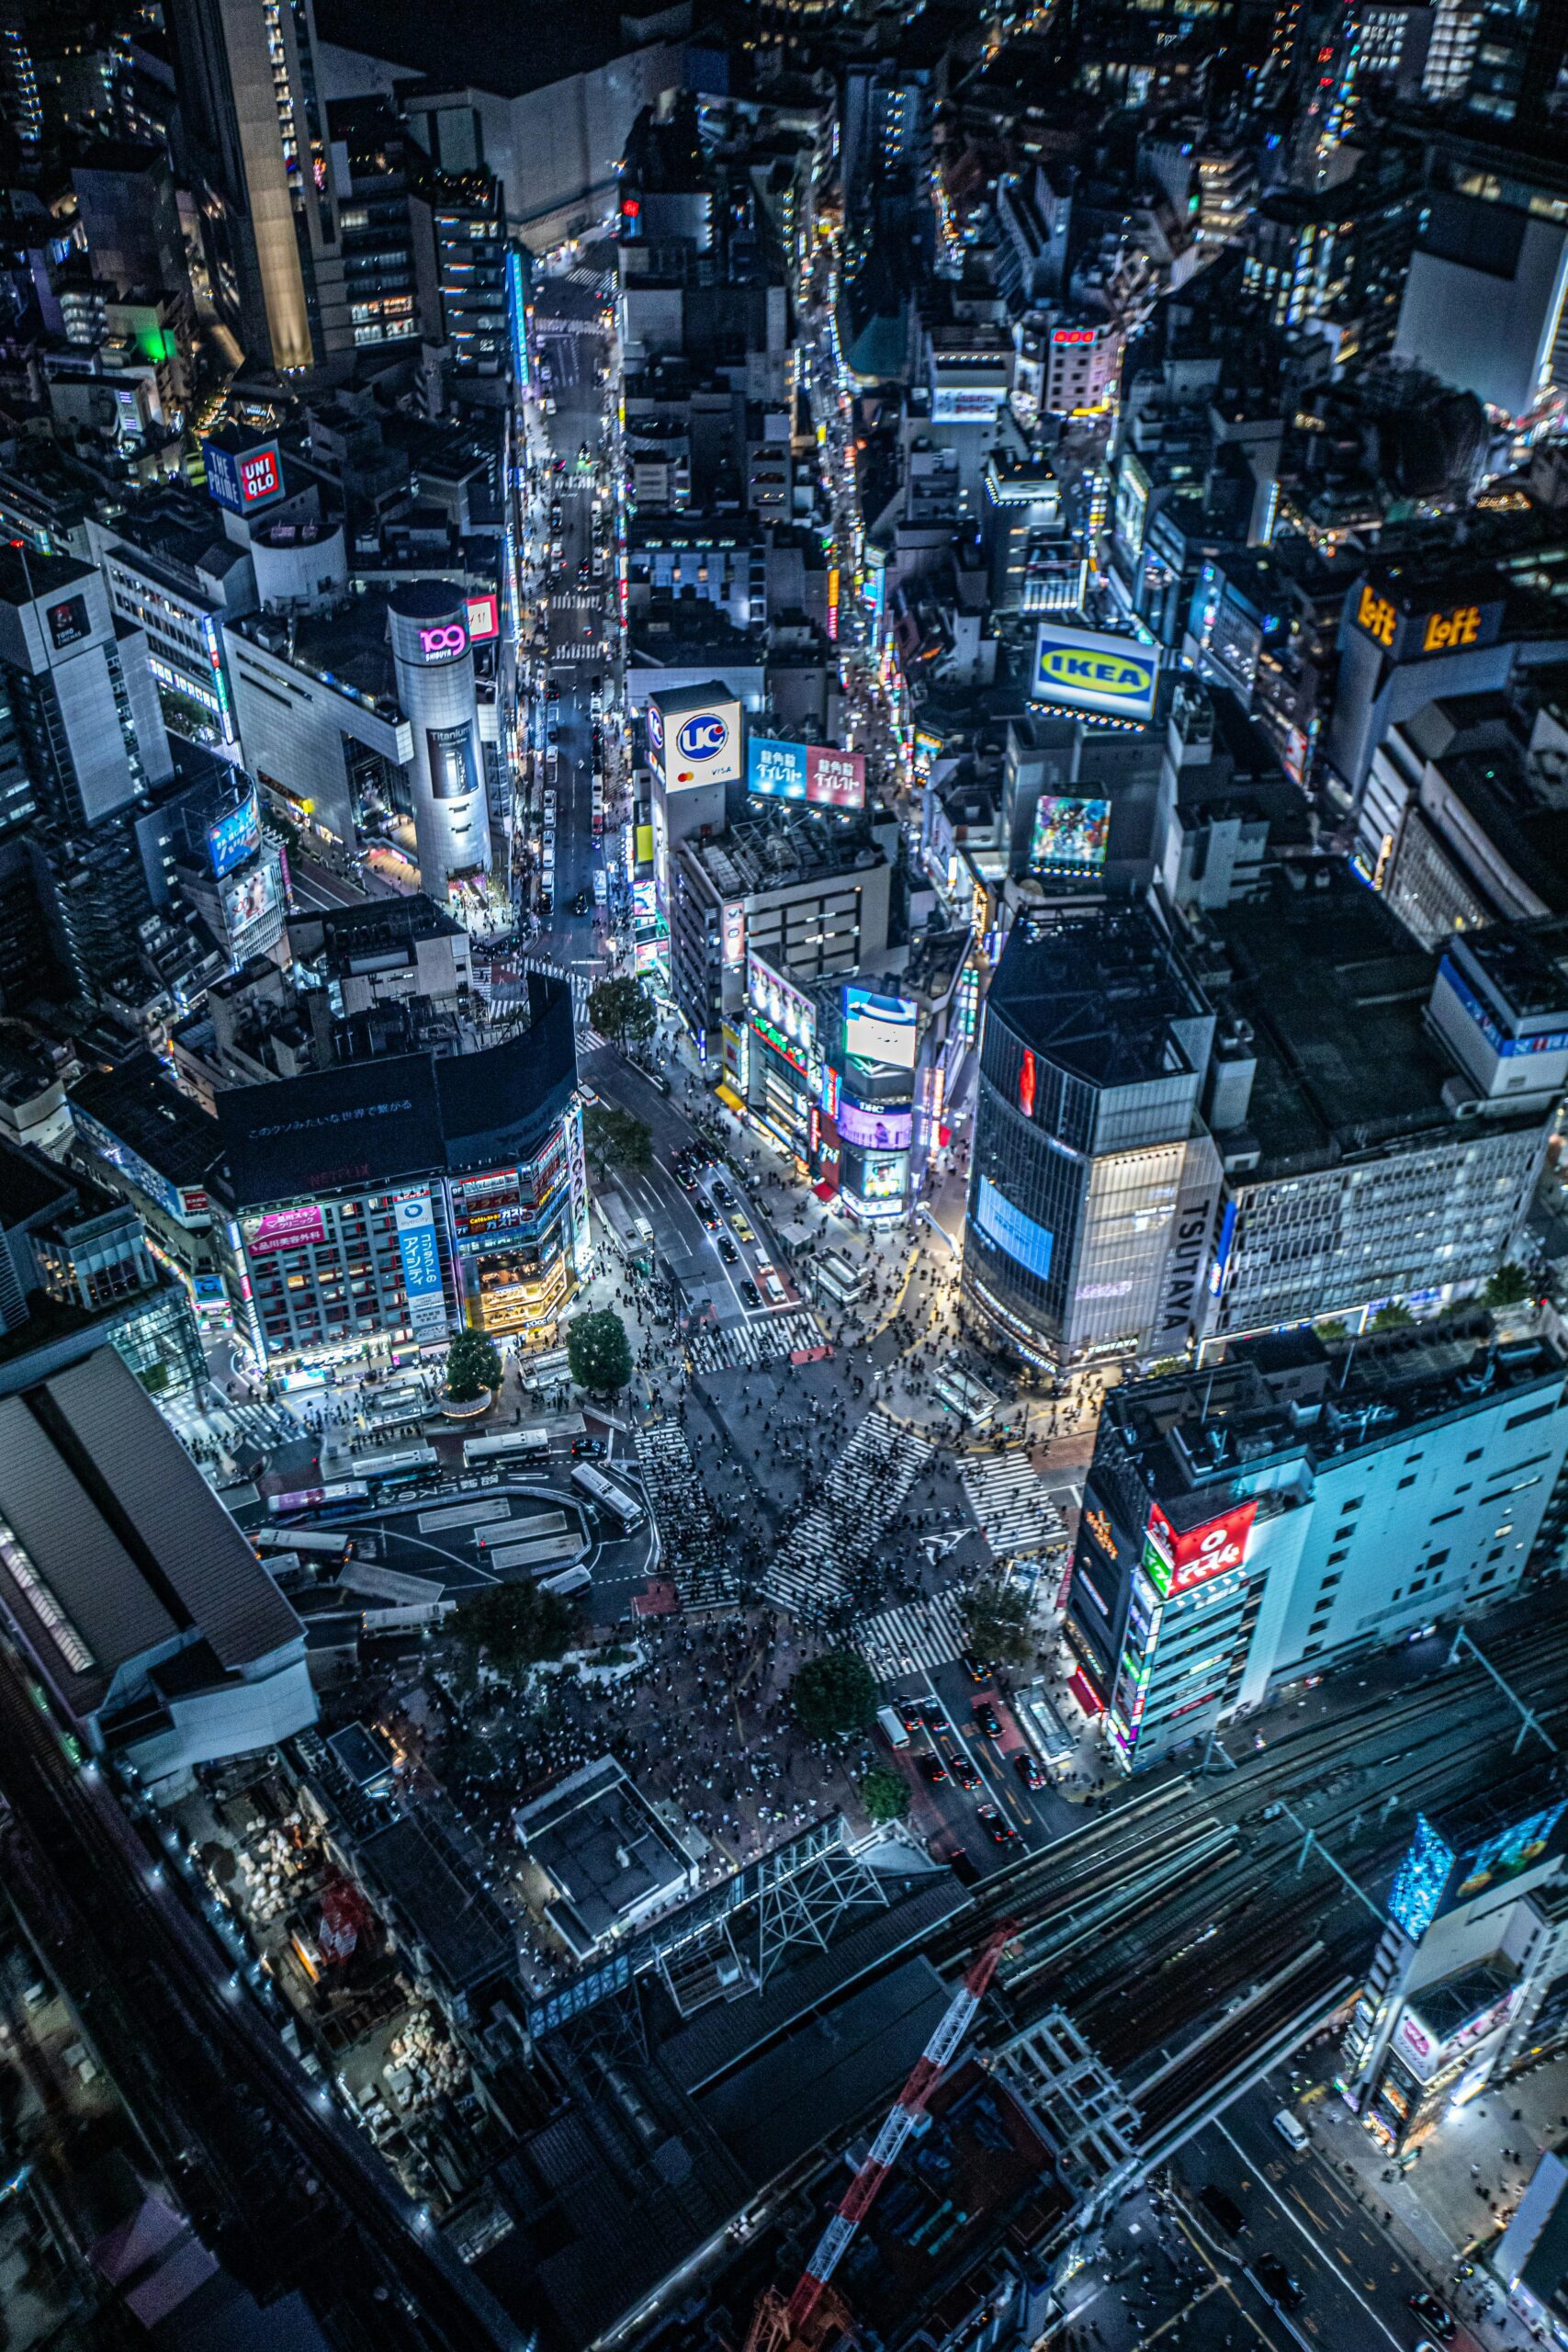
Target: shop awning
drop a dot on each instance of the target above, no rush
(1087, 1699)
(730, 1100)
(825, 1192)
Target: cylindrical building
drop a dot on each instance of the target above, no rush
(428, 620)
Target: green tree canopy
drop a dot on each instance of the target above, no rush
(616, 1138)
(885, 1794)
(833, 1696)
(1392, 1319)
(996, 1615)
(598, 1349)
(1509, 1286)
(515, 1625)
(622, 1011)
(473, 1364)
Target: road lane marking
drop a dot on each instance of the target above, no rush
(1296, 2224)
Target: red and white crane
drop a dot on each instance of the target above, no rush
(777, 2324)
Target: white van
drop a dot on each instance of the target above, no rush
(892, 1728)
(1291, 2130)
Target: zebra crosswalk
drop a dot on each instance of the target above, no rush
(1013, 1510)
(764, 1338)
(815, 1567)
(514, 990)
(916, 1634)
(694, 1553)
(578, 600)
(577, 649)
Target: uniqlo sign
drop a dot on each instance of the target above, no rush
(258, 476)
(244, 479)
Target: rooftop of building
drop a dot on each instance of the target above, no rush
(143, 1110)
(30, 1186)
(177, 528)
(348, 935)
(120, 1546)
(531, 47)
(604, 1848)
(1094, 992)
(1336, 993)
(786, 846)
(1528, 963)
(348, 648)
(436, 1896)
(1195, 1440)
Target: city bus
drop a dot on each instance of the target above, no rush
(590, 1480)
(300, 1539)
(507, 1445)
(383, 1463)
(566, 1580)
(336, 1491)
(545, 1369)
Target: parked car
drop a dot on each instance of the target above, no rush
(1441, 2323)
(987, 1718)
(1030, 1770)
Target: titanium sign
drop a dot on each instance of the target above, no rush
(1079, 669)
(421, 1266)
(1176, 1563)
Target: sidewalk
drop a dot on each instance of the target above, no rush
(1458, 2194)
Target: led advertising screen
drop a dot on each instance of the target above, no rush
(780, 1004)
(69, 623)
(875, 1130)
(1070, 836)
(879, 1028)
(1089, 670)
(1177, 1563)
(1018, 1237)
(244, 479)
(805, 772)
(484, 619)
(248, 898)
(454, 769)
(234, 836)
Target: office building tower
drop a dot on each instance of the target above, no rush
(459, 227)
(370, 177)
(433, 658)
(1093, 1184)
(1288, 1508)
(253, 120)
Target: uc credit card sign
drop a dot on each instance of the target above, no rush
(1089, 669)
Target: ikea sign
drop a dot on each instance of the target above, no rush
(1088, 670)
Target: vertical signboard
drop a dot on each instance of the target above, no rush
(421, 1266)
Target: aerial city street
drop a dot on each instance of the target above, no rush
(783, 1231)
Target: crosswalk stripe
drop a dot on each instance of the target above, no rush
(916, 1633)
(693, 1554)
(837, 1535)
(1011, 1507)
(746, 1346)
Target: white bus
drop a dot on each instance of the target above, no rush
(565, 1580)
(590, 1480)
(385, 1462)
(531, 1445)
(545, 1369)
(300, 1539)
(336, 1491)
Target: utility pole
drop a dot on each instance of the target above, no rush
(1528, 1720)
(1310, 1839)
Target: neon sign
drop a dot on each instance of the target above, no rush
(444, 644)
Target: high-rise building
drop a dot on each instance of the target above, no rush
(433, 658)
(1288, 1510)
(1092, 1181)
(253, 120)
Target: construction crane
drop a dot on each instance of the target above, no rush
(780, 2326)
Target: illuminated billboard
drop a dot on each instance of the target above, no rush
(875, 1130)
(1007, 1230)
(1176, 1563)
(1089, 670)
(484, 619)
(234, 836)
(421, 1265)
(808, 771)
(781, 1005)
(248, 899)
(288, 1230)
(244, 479)
(879, 1028)
(694, 738)
(1070, 836)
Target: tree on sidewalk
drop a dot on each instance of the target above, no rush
(598, 1349)
(885, 1795)
(833, 1696)
(473, 1364)
(616, 1138)
(515, 1627)
(996, 1618)
(622, 1011)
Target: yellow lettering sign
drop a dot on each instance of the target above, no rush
(1461, 626)
(1377, 616)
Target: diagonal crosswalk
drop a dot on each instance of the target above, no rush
(503, 991)
(916, 1634)
(837, 1535)
(1014, 1511)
